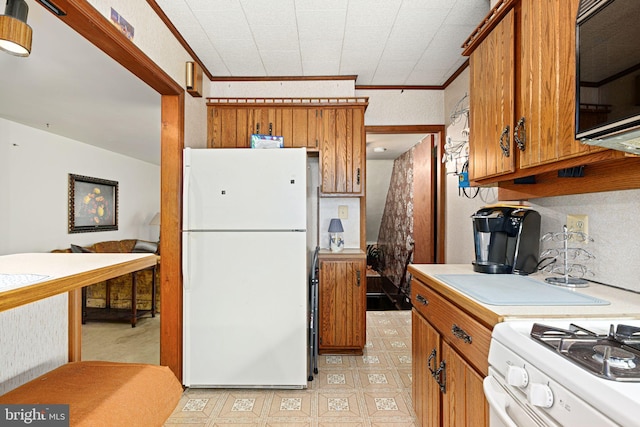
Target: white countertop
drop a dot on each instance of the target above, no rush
(622, 303)
(63, 272)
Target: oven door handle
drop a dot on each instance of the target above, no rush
(497, 400)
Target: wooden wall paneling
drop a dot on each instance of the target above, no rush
(172, 145)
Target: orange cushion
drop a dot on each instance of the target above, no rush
(105, 393)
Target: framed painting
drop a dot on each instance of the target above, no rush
(93, 204)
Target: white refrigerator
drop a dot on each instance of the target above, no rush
(245, 268)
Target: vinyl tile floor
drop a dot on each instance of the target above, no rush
(372, 390)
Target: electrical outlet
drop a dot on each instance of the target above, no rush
(578, 223)
(343, 212)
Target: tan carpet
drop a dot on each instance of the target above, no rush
(119, 342)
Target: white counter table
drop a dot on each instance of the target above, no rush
(65, 272)
(621, 303)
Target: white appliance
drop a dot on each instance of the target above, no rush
(564, 372)
(245, 268)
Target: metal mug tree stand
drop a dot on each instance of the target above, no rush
(567, 261)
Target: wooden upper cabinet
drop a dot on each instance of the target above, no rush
(492, 82)
(300, 121)
(545, 108)
(523, 78)
(342, 151)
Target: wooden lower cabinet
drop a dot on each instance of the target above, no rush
(342, 304)
(425, 390)
(463, 403)
(447, 388)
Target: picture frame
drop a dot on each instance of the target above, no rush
(93, 204)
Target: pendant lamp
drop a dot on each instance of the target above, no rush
(15, 34)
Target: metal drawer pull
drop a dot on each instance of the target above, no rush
(520, 134)
(441, 377)
(422, 300)
(505, 144)
(358, 278)
(432, 358)
(460, 333)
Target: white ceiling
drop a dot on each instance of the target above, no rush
(383, 42)
(68, 87)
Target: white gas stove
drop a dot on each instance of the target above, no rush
(569, 373)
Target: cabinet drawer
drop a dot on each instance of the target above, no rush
(464, 333)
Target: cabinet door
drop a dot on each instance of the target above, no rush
(491, 104)
(342, 306)
(342, 151)
(464, 404)
(425, 354)
(547, 83)
(315, 128)
(263, 121)
(227, 127)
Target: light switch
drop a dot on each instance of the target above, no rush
(343, 212)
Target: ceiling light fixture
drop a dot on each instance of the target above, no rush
(15, 34)
(379, 149)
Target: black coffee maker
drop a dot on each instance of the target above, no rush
(507, 240)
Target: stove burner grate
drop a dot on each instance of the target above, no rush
(611, 356)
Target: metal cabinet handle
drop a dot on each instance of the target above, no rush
(441, 376)
(505, 144)
(460, 333)
(257, 128)
(432, 358)
(358, 278)
(422, 300)
(520, 134)
(270, 129)
(358, 177)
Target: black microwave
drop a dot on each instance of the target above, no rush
(608, 74)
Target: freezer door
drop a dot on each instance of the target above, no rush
(245, 309)
(238, 189)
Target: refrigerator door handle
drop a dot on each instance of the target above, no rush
(185, 198)
(186, 282)
(185, 219)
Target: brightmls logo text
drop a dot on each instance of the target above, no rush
(34, 415)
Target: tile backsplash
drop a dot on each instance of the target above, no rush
(613, 226)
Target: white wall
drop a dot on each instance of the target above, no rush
(35, 167)
(403, 107)
(378, 179)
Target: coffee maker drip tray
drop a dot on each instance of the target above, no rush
(491, 267)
